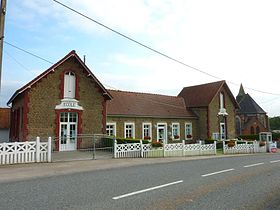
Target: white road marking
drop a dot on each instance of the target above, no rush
(256, 164)
(217, 172)
(146, 190)
(274, 161)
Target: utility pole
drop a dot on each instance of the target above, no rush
(2, 22)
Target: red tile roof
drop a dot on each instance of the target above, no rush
(4, 118)
(202, 95)
(147, 105)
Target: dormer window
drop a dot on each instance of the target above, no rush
(69, 85)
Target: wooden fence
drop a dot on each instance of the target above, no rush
(25, 152)
(140, 150)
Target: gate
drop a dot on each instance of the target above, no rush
(88, 147)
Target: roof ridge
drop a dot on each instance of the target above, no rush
(144, 93)
(204, 84)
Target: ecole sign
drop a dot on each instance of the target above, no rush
(67, 103)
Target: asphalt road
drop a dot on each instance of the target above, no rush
(242, 182)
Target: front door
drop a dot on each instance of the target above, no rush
(162, 133)
(222, 131)
(68, 131)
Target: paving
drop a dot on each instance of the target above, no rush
(35, 170)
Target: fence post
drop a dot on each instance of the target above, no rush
(4, 154)
(215, 147)
(199, 147)
(183, 148)
(224, 147)
(49, 149)
(163, 145)
(115, 148)
(37, 160)
(141, 149)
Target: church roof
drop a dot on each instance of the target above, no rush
(249, 106)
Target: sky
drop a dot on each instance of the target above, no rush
(237, 41)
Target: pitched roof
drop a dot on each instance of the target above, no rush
(52, 68)
(249, 106)
(202, 95)
(4, 118)
(147, 105)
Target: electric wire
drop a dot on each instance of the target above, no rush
(156, 51)
(32, 54)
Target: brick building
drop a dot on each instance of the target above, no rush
(64, 101)
(4, 124)
(67, 101)
(150, 116)
(250, 118)
(215, 106)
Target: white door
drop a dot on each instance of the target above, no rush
(68, 131)
(162, 133)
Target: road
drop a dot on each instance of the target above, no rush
(240, 182)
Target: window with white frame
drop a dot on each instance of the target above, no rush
(176, 130)
(111, 129)
(69, 85)
(129, 130)
(147, 131)
(188, 130)
(222, 101)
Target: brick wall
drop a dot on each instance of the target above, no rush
(120, 121)
(45, 95)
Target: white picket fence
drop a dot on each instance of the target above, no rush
(244, 148)
(140, 150)
(25, 152)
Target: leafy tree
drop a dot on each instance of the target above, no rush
(274, 123)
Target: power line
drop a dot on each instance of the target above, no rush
(135, 41)
(32, 54)
(19, 63)
(154, 50)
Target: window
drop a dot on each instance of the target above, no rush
(129, 130)
(69, 85)
(222, 101)
(147, 131)
(176, 130)
(111, 129)
(188, 131)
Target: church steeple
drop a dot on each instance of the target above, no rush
(240, 94)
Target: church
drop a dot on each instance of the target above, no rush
(250, 118)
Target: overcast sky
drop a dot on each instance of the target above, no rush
(237, 41)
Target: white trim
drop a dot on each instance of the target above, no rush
(133, 128)
(172, 133)
(165, 127)
(114, 129)
(150, 129)
(188, 123)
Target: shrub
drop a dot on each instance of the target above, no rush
(231, 143)
(130, 141)
(262, 143)
(156, 144)
(249, 137)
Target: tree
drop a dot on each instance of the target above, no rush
(274, 123)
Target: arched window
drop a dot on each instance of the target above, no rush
(238, 125)
(69, 85)
(252, 130)
(222, 101)
(257, 130)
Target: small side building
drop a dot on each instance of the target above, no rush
(250, 118)
(4, 124)
(150, 116)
